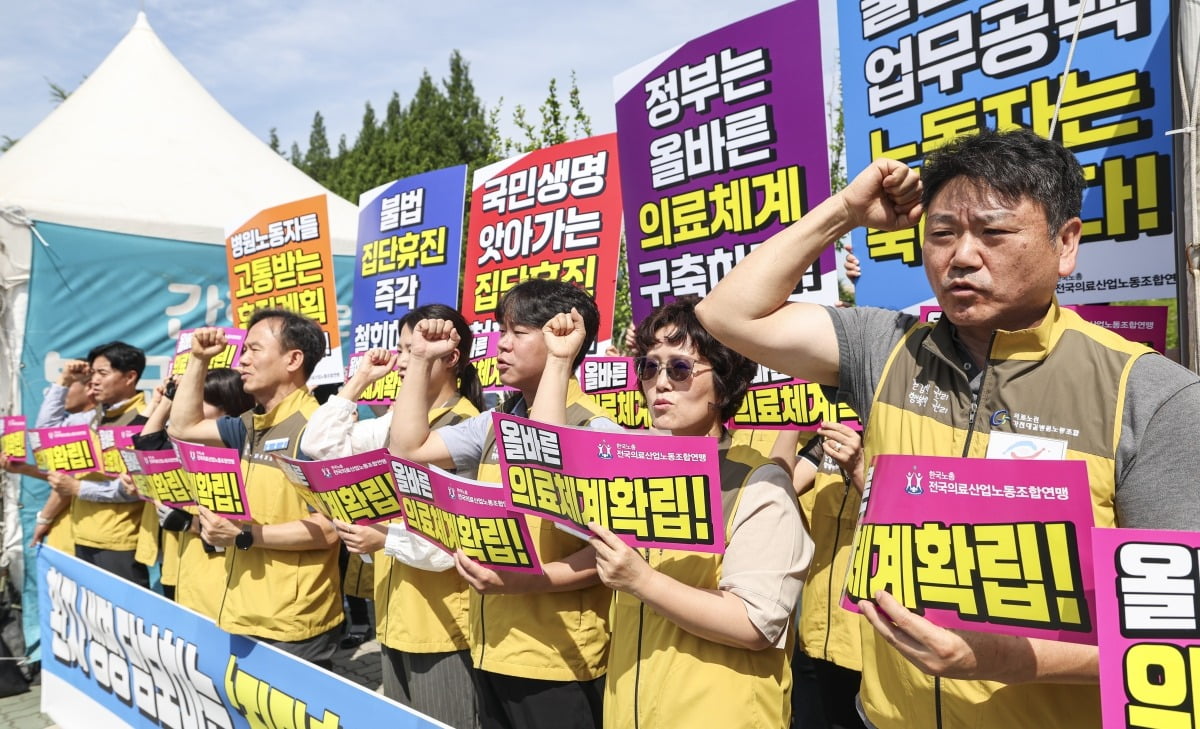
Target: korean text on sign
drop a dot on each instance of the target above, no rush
(215, 476)
(718, 152)
(651, 491)
(165, 478)
(281, 258)
(553, 213)
(12, 438)
(1146, 587)
(409, 247)
(1000, 546)
(456, 513)
(357, 489)
(74, 450)
(228, 357)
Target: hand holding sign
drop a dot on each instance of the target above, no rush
(620, 566)
(207, 343)
(217, 530)
(564, 335)
(886, 195)
(434, 339)
(63, 484)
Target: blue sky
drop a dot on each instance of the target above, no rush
(273, 64)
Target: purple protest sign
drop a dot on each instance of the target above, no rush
(356, 489)
(215, 475)
(986, 544)
(228, 357)
(12, 438)
(165, 478)
(613, 384)
(650, 490)
(1146, 586)
(457, 513)
(722, 143)
(74, 450)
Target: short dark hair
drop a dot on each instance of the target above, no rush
(469, 385)
(123, 357)
(535, 301)
(732, 372)
(1015, 164)
(295, 332)
(223, 389)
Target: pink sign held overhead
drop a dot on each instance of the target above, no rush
(1149, 627)
(215, 477)
(457, 513)
(650, 490)
(613, 384)
(1000, 546)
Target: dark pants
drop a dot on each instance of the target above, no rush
(508, 702)
(317, 650)
(122, 564)
(839, 687)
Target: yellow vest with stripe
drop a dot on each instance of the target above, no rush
(110, 525)
(1067, 373)
(275, 593)
(660, 675)
(552, 636)
(826, 630)
(418, 611)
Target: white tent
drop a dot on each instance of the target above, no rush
(139, 148)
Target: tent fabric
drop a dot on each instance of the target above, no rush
(142, 149)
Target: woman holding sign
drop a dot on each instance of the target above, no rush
(704, 639)
(420, 601)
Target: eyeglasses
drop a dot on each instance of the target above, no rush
(678, 369)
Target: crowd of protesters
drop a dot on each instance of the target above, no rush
(610, 636)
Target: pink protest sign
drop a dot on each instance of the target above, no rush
(356, 489)
(613, 384)
(112, 439)
(164, 478)
(485, 347)
(73, 449)
(457, 513)
(12, 438)
(1149, 629)
(650, 490)
(777, 401)
(380, 392)
(215, 477)
(229, 357)
(1001, 546)
(1144, 324)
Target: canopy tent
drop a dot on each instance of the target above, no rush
(112, 218)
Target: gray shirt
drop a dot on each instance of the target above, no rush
(1158, 465)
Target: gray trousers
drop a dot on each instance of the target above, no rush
(437, 684)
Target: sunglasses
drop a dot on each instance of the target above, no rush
(678, 369)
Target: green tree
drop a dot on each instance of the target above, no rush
(274, 143)
(318, 162)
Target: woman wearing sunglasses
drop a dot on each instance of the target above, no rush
(703, 639)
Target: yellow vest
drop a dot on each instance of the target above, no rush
(1067, 373)
(660, 675)
(60, 536)
(200, 578)
(108, 525)
(149, 534)
(827, 631)
(418, 611)
(274, 593)
(552, 636)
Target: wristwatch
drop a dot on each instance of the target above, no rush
(244, 540)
